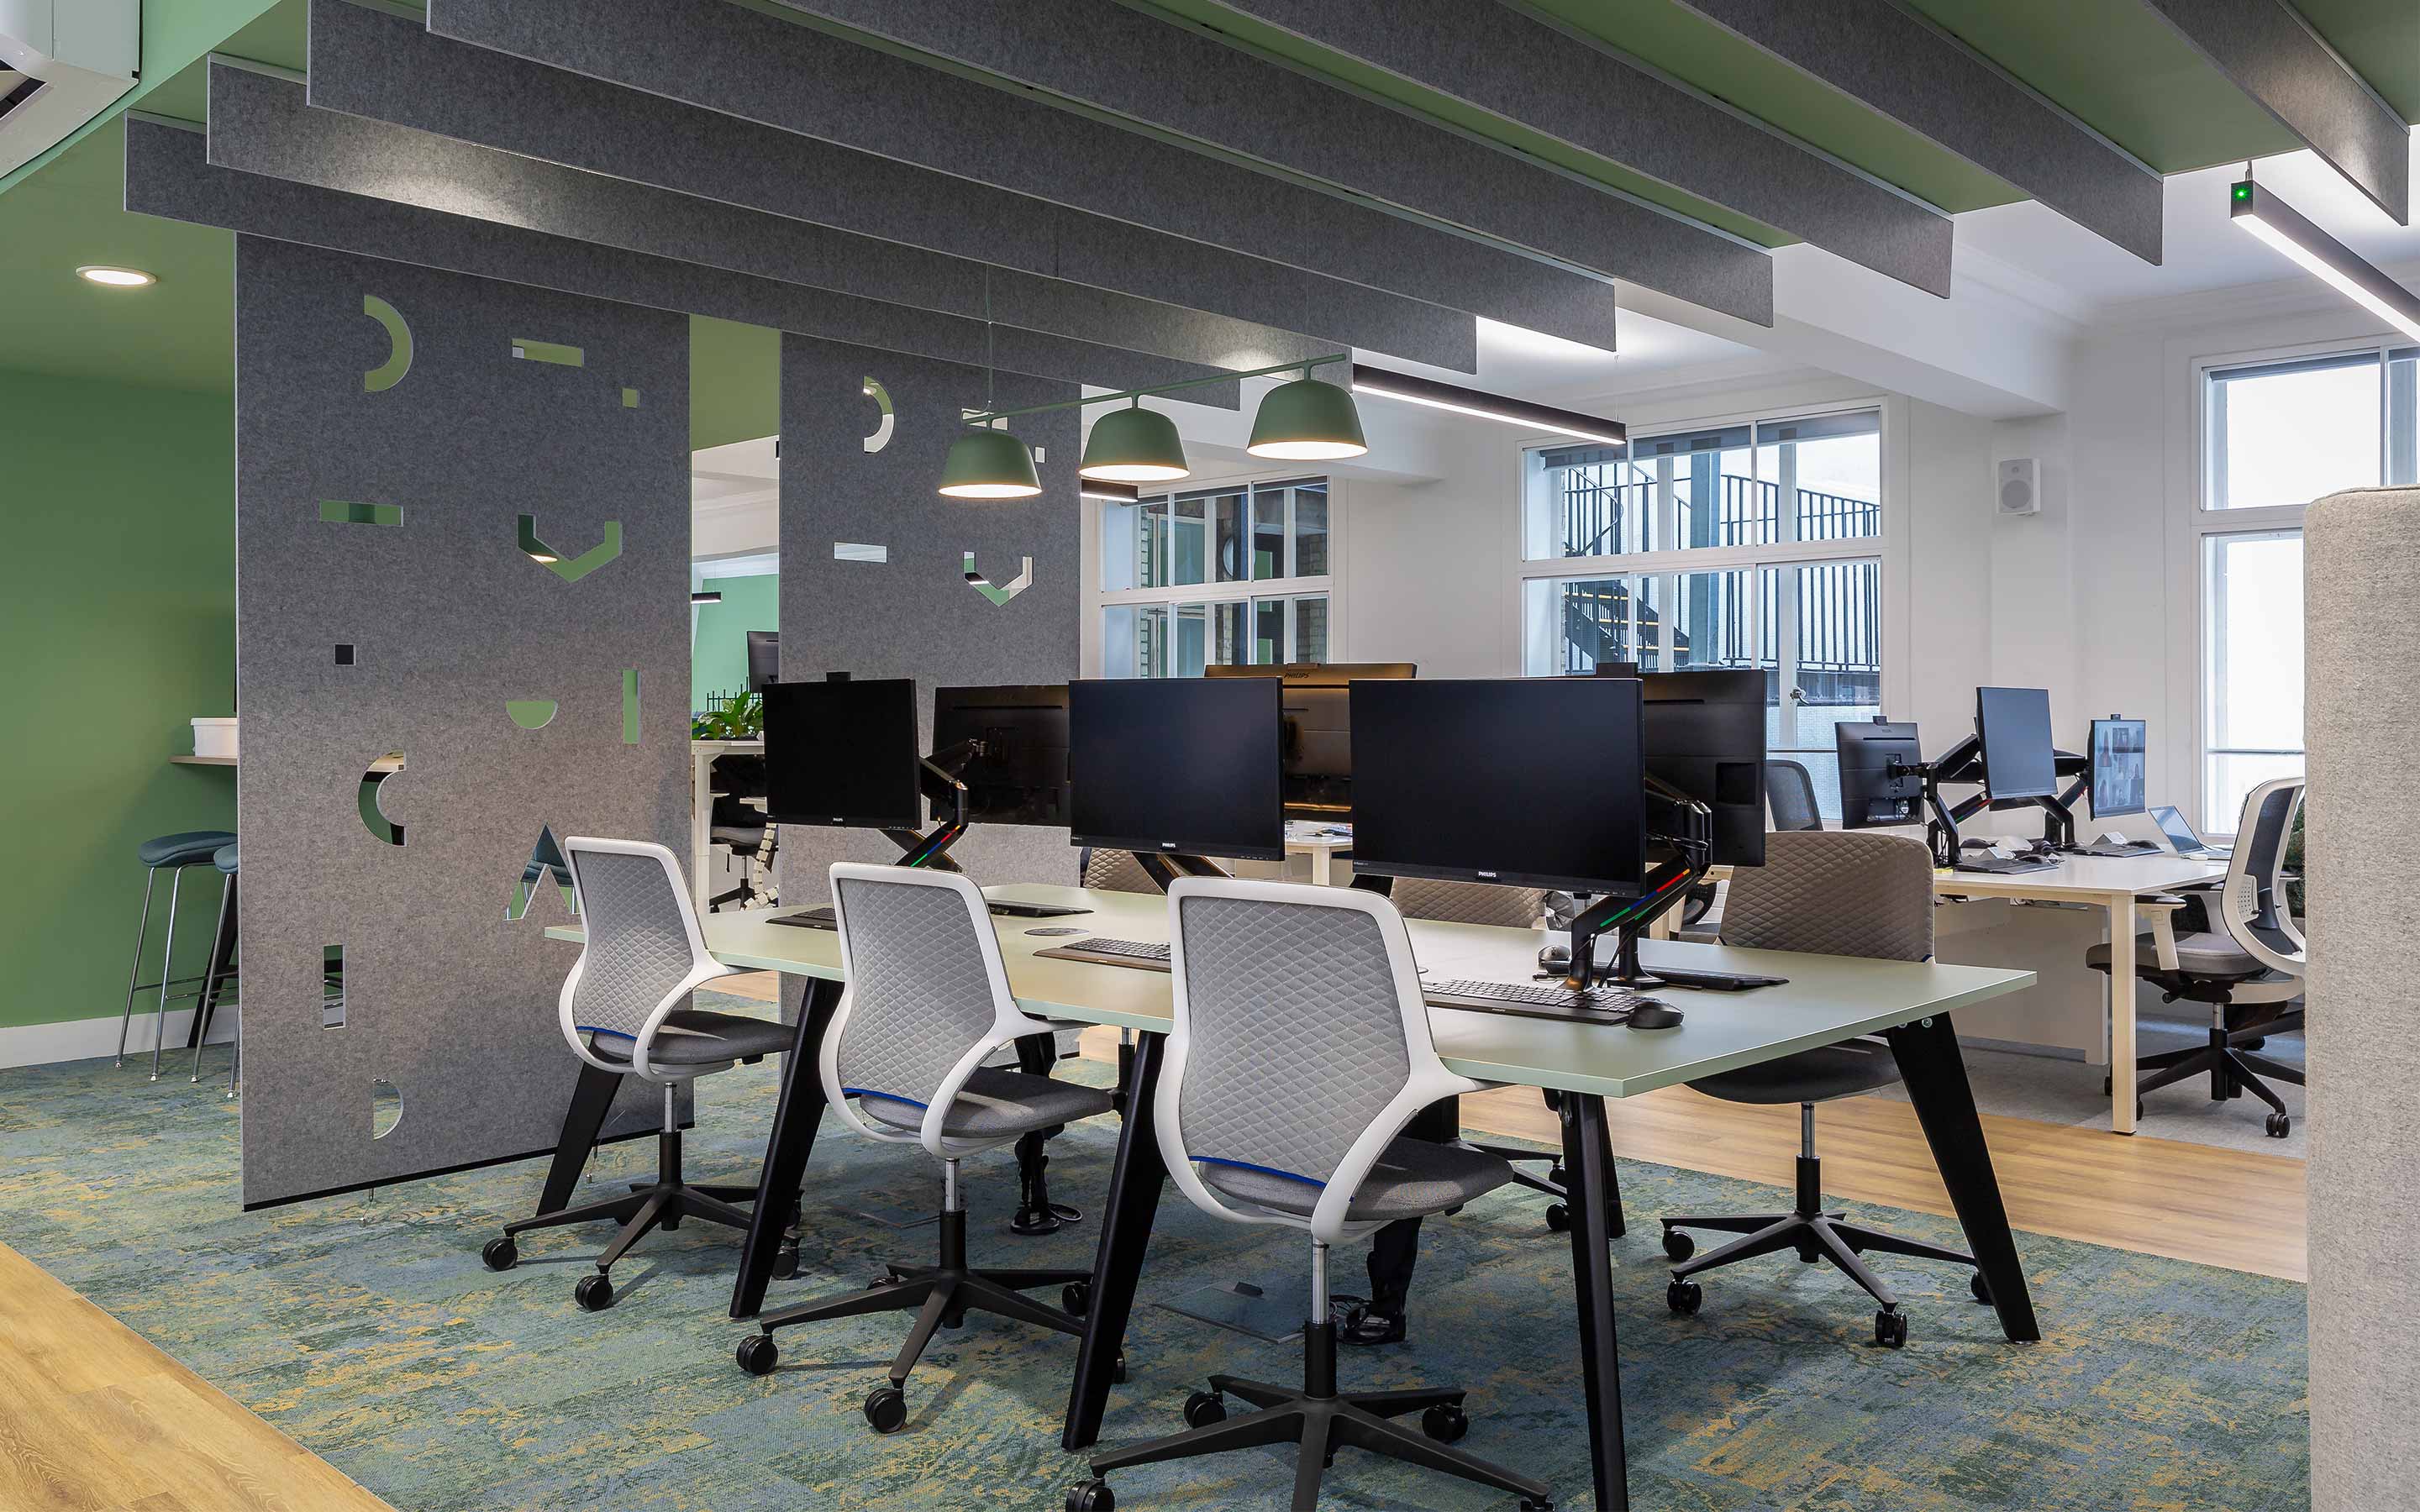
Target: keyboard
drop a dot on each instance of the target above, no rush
(1606, 1005)
(1145, 955)
(807, 919)
(1985, 861)
(2112, 848)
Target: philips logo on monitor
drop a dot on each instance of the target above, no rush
(1168, 845)
(1486, 875)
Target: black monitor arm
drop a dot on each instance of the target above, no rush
(938, 777)
(1963, 763)
(1165, 866)
(1688, 830)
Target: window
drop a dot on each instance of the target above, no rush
(1232, 575)
(2277, 435)
(1753, 544)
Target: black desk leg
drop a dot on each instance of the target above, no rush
(795, 1119)
(1588, 1174)
(581, 1122)
(1135, 1183)
(1935, 1077)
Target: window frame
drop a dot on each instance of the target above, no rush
(1098, 600)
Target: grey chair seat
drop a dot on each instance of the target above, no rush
(1413, 1179)
(700, 1037)
(188, 847)
(1809, 1076)
(996, 1103)
(226, 858)
(2202, 955)
(740, 835)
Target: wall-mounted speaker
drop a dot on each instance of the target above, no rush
(2020, 485)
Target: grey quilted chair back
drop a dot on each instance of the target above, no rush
(1116, 871)
(1790, 794)
(1835, 892)
(1469, 902)
(638, 941)
(920, 992)
(1295, 1037)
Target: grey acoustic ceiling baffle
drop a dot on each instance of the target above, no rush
(1581, 91)
(259, 123)
(2273, 54)
(905, 603)
(446, 1049)
(788, 75)
(1895, 62)
(167, 176)
(371, 64)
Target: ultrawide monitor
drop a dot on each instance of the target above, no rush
(1529, 782)
(2118, 760)
(843, 753)
(1317, 756)
(1703, 732)
(1022, 776)
(2013, 724)
(1880, 783)
(1187, 765)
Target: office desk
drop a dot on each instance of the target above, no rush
(1829, 998)
(701, 809)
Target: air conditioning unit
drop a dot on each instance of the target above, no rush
(62, 62)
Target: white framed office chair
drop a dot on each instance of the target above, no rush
(1300, 1052)
(2250, 957)
(927, 1003)
(624, 1007)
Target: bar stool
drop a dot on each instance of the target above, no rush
(218, 972)
(187, 848)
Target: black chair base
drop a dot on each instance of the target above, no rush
(1320, 1420)
(1554, 1184)
(2233, 1068)
(663, 1203)
(941, 1296)
(1818, 1237)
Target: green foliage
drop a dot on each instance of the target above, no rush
(743, 718)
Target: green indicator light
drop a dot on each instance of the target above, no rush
(2243, 191)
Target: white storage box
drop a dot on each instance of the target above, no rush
(214, 737)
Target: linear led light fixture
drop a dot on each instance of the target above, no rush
(1109, 493)
(2261, 213)
(1461, 401)
(699, 595)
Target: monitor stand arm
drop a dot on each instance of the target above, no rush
(1667, 886)
(938, 774)
(1165, 866)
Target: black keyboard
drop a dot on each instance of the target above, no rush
(1146, 955)
(1609, 1005)
(807, 919)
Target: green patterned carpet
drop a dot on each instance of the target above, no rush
(368, 1330)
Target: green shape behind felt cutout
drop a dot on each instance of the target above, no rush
(531, 714)
(399, 359)
(570, 569)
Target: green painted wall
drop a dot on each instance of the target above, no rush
(117, 610)
(718, 659)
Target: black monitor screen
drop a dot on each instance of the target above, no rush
(1879, 781)
(1703, 732)
(1187, 765)
(1022, 776)
(1531, 782)
(764, 659)
(1317, 756)
(2013, 724)
(843, 753)
(2117, 761)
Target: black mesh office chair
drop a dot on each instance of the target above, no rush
(744, 829)
(1790, 795)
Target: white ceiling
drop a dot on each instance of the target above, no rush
(1527, 364)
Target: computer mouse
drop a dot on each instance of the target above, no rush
(1651, 1014)
(1555, 959)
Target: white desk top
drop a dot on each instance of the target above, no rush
(1828, 999)
(2096, 877)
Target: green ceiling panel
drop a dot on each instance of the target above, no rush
(2381, 39)
(735, 382)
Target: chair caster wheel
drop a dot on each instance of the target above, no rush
(1535, 1504)
(1445, 1422)
(1077, 1297)
(886, 1408)
(758, 1354)
(1118, 1371)
(1205, 1407)
(1678, 1246)
(1891, 1329)
(1983, 1291)
(785, 1263)
(1092, 1496)
(1558, 1218)
(501, 1254)
(593, 1293)
(1684, 1298)
(2280, 1126)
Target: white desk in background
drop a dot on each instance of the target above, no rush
(1318, 840)
(701, 809)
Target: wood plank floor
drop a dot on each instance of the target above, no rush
(93, 1419)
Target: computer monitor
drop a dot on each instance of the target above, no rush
(1185, 766)
(1317, 757)
(1529, 782)
(1022, 776)
(2117, 767)
(843, 754)
(1703, 732)
(764, 659)
(2013, 725)
(1879, 780)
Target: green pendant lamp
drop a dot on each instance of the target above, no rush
(1134, 445)
(989, 464)
(1307, 421)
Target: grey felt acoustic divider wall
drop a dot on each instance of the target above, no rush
(454, 421)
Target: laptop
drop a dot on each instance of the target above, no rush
(2181, 834)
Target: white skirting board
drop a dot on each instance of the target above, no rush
(48, 1045)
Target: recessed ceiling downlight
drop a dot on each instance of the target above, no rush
(111, 277)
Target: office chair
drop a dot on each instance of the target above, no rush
(1790, 795)
(1300, 1050)
(1829, 892)
(927, 1003)
(624, 1009)
(2252, 960)
(1114, 871)
(745, 830)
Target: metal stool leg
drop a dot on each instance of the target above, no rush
(214, 974)
(135, 972)
(168, 961)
